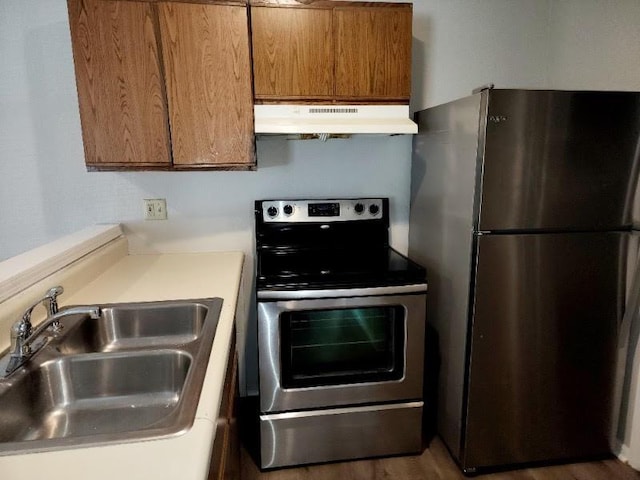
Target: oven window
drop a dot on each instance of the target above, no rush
(332, 347)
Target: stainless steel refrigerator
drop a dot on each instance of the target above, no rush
(522, 209)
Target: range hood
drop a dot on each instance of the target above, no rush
(333, 119)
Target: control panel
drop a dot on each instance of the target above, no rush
(343, 210)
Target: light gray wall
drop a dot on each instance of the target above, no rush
(595, 44)
(462, 44)
(45, 191)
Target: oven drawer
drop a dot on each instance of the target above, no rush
(297, 438)
(340, 351)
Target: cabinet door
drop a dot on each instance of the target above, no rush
(225, 455)
(373, 52)
(208, 76)
(120, 88)
(293, 53)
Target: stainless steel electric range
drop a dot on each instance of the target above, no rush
(341, 322)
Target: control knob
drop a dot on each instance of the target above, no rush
(272, 211)
(359, 208)
(374, 209)
(288, 209)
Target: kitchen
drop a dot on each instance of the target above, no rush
(46, 191)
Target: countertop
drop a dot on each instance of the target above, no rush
(148, 278)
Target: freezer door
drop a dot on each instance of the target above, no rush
(559, 160)
(543, 345)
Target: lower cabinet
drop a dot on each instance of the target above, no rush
(225, 455)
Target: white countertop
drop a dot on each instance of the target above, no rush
(148, 278)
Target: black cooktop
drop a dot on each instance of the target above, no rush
(323, 244)
(329, 268)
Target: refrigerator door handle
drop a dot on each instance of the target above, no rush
(631, 315)
(633, 307)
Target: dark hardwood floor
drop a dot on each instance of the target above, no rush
(435, 463)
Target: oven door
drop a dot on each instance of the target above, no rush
(359, 349)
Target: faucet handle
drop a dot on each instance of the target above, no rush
(50, 299)
(54, 292)
(20, 331)
(26, 316)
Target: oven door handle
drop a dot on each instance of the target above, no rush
(340, 292)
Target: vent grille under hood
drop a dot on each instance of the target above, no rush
(346, 119)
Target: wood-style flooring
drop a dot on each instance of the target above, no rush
(435, 463)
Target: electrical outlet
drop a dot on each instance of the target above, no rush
(155, 209)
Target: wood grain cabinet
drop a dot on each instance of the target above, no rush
(324, 51)
(163, 84)
(225, 455)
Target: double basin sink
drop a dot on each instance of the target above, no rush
(135, 373)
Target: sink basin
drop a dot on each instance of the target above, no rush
(134, 326)
(135, 373)
(83, 395)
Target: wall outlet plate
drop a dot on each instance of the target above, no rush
(155, 209)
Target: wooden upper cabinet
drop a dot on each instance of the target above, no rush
(206, 58)
(293, 53)
(122, 106)
(323, 51)
(163, 85)
(373, 58)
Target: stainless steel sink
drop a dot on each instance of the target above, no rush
(86, 395)
(135, 373)
(132, 326)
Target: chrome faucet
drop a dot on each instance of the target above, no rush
(23, 336)
(22, 329)
(49, 301)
